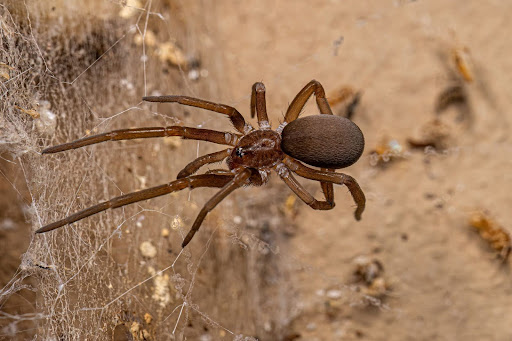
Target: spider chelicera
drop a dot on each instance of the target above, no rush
(325, 141)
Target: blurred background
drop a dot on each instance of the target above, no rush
(428, 83)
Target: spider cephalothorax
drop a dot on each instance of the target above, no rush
(258, 149)
(325, 141)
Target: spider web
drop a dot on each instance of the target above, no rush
(252, 271)
(124, 273)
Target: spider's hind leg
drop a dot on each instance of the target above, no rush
(331, 177)
(328, 188)
(294, 110)
(300, 191)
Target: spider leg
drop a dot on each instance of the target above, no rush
(141, 133)
(238, 181)
(328, 188)
(332, 177)
(294, 110)
(259, 105)
(211, 180)
(236, 118)
(313, 87)
(194, 166)
(300, 191)
(219, 171)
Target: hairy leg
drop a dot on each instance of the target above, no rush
(332, 177)
(258, 104)
(238, 181)
(142, 133)
(211, 180)
(294, 110)
(236, 118)
(328, 188)
(300, 191)
(219, 171)
(194, 166)
(313, 87)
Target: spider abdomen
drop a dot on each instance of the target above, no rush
(324, 141)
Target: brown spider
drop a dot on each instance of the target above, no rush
(325, 141)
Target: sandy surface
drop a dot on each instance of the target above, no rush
(442, 280)
(446, 284)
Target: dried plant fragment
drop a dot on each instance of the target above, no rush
(369, 276)
(162, 290)
(463, 63)
(385, 151)
(173, 141)
(344, 101)
(149, 39)
(31, 112)
(453, 94)
(4, 71)
(47, 121)
(290, 208)
(148, 318)
(130, 326)
(497, 237)
(435, 134)
(147, 249)
(170, 52)
(130, 9)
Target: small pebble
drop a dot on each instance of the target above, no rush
(147, 249)
(334, 294)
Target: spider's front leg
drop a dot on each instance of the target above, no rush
(236, 118)
(259, 105)
(144, 133)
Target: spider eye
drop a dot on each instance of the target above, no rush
(239, 152)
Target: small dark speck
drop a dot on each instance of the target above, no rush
(371, 236)
(336, 45)
(429, 196)
(292, 336)
(404, 237)
(140, 157)
(388, 202)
